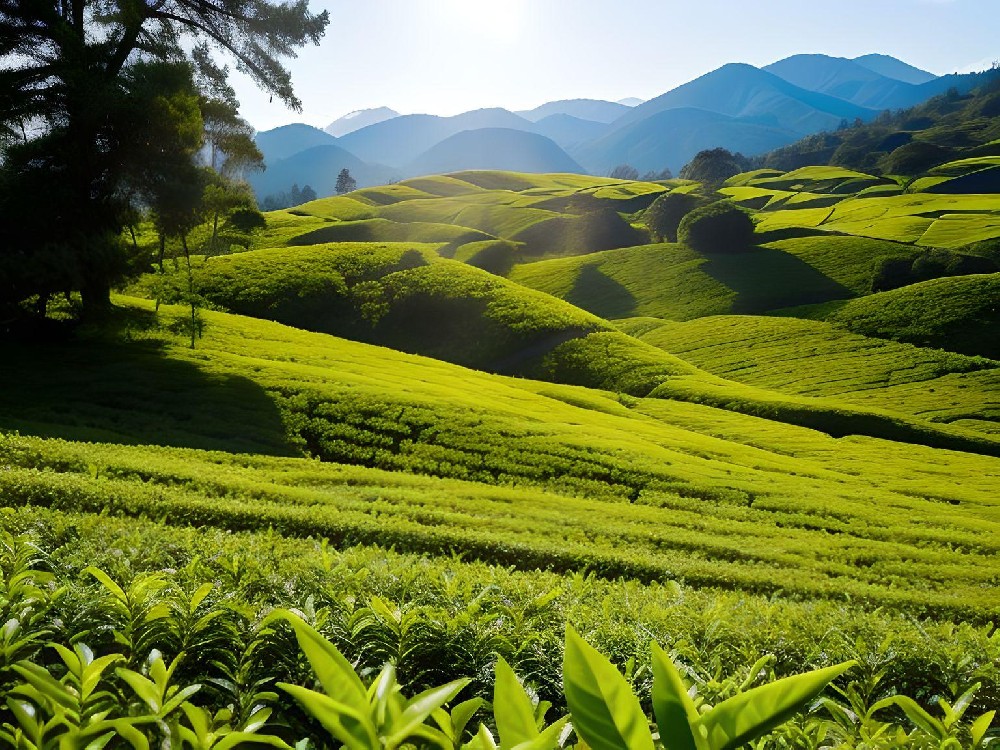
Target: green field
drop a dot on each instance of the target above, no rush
(445, 418)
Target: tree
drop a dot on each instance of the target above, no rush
(308, 194)
(624, 172)
(345, 183)
(664, 174)
(664, 216)
(714, 166)
(720, 227)
(65, 74)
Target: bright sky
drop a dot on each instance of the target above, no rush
(449, 56)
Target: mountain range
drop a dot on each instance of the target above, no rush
(738, 106)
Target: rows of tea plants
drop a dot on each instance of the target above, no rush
(911, 554)
(140, 629)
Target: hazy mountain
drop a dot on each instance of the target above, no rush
(631, 101)
(280, 143)
(568, 131)
(890, 67)
(672, 137)
(318, 167)
(846, 79)
(359, 118)
(597, 110)
(400, 140)
(743, 91)
(494, 148)
(842, 78)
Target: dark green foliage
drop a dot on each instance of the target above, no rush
(345, 183)
(100, 111)
(288, 199)
(958, 314)
(714, 166)
(907, 142)
(915, 158)
(664, 216)
(624, 172)
(720, 227)
(893, 273)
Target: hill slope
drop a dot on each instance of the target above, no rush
(894, 68)
(672, 137)
(318, 167)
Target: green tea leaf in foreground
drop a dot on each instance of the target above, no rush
(606, 713)
(676, 714)
(756, 712)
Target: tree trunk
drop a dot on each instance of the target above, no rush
(190, 276)
(96, 297)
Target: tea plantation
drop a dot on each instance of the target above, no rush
(466, 425)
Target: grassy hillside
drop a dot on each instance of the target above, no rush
(718, 498)
(401, 295)
(959, 314)
(814, 358)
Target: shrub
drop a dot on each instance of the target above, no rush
(664, 216)
(721, 227)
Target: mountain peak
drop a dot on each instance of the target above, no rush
(358, 119)
(892, 67)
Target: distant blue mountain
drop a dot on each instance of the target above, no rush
(596, 110)
(318, 167)
(890, 67)
(358, 119)
(568, 131)
(494, 148)
(402, 139)
(288, 140)
(672, 137)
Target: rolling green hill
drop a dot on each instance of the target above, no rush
(814, 358)
(448, 416)
(958, 314)
(772, 493)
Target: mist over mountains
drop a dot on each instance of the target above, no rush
(738, 106)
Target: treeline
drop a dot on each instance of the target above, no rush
(907, 142)
(295, 196)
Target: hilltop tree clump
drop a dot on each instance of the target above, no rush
(714, 166)
(664, 216)
(69, 88)
(720, 227)
(624, 172)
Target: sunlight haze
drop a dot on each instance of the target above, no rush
(449, 56)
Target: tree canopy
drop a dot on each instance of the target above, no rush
(720, 227)
(104, 105)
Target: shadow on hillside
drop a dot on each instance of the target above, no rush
(601, 295)
(130, 392)
(766, 279)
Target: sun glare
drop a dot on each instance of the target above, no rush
(499, 20)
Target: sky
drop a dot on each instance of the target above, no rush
(444, 57)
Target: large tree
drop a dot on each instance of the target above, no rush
(68, 86)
